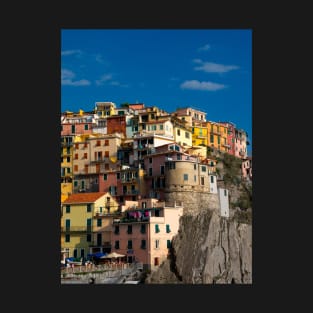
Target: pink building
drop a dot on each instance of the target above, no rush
(241, 142)
(144, 232)
(247, 168)
(230, 136)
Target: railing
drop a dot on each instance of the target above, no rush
(76, 228)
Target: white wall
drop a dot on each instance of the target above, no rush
(224, 201)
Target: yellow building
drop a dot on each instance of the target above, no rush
(66, 165)
(200, 135)
(103, 109)
(217, 136)
(80, 227)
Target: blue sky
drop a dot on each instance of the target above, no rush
(210, 70)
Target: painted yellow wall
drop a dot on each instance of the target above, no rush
(219, 133)
(200, 136)
(181, 138)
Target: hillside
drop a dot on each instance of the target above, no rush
(210, 249)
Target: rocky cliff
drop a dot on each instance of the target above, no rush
(210, 249)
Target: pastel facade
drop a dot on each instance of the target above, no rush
(144, 234)
(247, 168)
(96, 155)
(66, 165)
(217, 136)
(103, 109)
(241, 141)
(230, 137)
(77, 221)
(196, 115)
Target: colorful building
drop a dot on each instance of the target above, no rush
(79, 223)
(144, 233)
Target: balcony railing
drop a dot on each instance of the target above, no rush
(76, 228)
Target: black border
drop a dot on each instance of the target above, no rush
(41, 76)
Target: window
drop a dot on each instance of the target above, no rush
(99, 222)
(218, 139)
(106, 154)
(195, 178)
(157, 244)
(187, 135)
(75, 183)
(157, 229)
(88, 207)
(168, 230)
(76, 156)
(211, 138)
(117, 229)
(178, 156)
(98, 143)
(203, 168)
(225, 192)
(73, 128)
(150, 171)
(118, 175)
(156, 261)
(82, 252)
(195, 166)
(168, 244)
(67, 225)
(105, 176)
(117, 244)
(106, 142)
(129, 229)
(88, 238)
(89, 224)
(161, 126)
(68, 170)
(150, 160)
(76, 168)
(143, 244)
(143, 228)
(202, 180)
(86, 126)
(129, 244)
(157, 213)
(68, 209)
(67, 238)
(68, 159)
(162, 170)
(178, 132)
(85, 155)
(212, 179)
(185, 177)
(75, 253)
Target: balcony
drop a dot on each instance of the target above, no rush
(131, 192)
(76, 229)
(66, 144)
(128, 180)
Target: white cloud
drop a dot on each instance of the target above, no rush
(210, 67)
(116, 83)
(205, 48)
(197, 85)
(71, 52)
(103, 79)
(67, 77)
(99, 59)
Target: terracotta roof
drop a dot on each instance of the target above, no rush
(84, 197)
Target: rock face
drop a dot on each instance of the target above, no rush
(208, 249)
